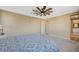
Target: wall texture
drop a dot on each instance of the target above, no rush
(15, 24)
(59, 26)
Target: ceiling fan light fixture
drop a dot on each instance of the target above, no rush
(42, 11)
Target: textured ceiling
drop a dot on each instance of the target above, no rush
(27, 10)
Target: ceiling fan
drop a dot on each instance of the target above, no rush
(42, 11)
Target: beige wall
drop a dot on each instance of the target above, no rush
(0, 17)
(15, 24)
(59, 26)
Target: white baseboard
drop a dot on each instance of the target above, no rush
(61, 37)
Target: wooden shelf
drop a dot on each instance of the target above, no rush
(75, 37)
(74, 21)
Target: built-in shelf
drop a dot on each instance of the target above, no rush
(75, 26)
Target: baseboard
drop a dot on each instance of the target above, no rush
(61, 37)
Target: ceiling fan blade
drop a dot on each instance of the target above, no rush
(38, 9)
(44, 7)
(48, 13)
(48, 9)
(36, 13)
(40, 14)
(35, 10)
(44, 14)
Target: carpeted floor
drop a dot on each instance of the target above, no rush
(67, 45)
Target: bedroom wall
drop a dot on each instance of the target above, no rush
(0, 17)
(16, 24)
(59, 26)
